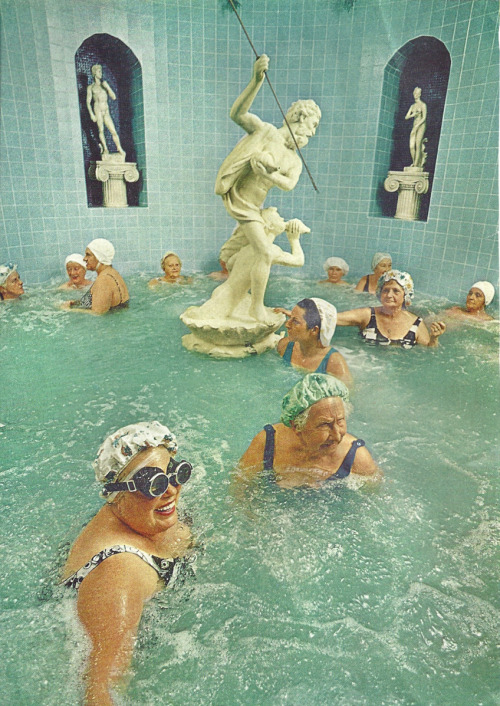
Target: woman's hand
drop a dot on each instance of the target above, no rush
(437, 328)
(280, 310)
(66, 306)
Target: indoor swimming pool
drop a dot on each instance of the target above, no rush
(346, 594)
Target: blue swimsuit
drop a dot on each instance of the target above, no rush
(342, 472)
(287, 357)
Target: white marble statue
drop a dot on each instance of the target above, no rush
(228, 299)
(266, 157)
(418, 111)
(98, 93)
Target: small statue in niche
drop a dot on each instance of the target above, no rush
(418, 111)
(98, 92)
(266, 157)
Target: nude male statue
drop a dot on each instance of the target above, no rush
(242, 258)
(98, 92)
(266, 157)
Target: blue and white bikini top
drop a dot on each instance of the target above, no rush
(167, 569)
(373, 336)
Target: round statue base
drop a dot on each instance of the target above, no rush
(230, 337)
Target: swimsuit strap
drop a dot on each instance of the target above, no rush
(110, 274)
(163, 567)
(366, 288)
(269, 447)
(410, 339)
(324, 363)
(287, 355)
(346, 465)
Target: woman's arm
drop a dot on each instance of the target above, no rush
(430, 339)
(337, 366)
(364, 465)
(354, 317)
(102, 295)
(110, 604)
(361, 284)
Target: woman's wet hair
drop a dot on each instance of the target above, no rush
(311, 313)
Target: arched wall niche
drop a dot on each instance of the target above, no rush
(122, 70)
(423, 62)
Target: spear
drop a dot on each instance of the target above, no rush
(274, 94)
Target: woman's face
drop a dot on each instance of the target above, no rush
(335, 274)
(149, 516)
(383, 266)
(392, 295)
(13, 287)
(91, 260)
(325, 427)
(76, 273)
(297, 326)
(475, 300)
(172, 266)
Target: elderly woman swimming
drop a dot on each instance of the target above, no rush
(109, 291)
(311, 443)
(171, 265)
(76, 268)
(11, 286)
(335, 268)
(391, 323)
(133, 546)
(310, 327)
(381, 262)
(479, 296)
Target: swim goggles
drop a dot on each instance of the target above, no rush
(152, 481)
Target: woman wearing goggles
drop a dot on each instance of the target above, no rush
(135, 541)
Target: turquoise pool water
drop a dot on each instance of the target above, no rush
(342, 595)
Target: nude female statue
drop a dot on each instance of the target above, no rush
(418, 111)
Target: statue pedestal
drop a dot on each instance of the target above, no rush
(410, 184)
(237, 336)
(113, 171)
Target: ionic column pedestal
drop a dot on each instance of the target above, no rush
(113, 171)
(410, 185)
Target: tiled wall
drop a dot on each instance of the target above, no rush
(195, 60)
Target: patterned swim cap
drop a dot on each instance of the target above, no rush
(402, 278)
(312, 388)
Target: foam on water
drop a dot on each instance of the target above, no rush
(343, 594)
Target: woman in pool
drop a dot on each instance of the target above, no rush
(11, 286)
(391, 323)
(478, 298)
(335, 268)
(132, 547)
(171, 265)
(381, 262)
(220, 275)
(76, 268)
(109, 291)
(310, 327)
(311, 443)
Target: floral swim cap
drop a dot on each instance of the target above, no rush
(312, 388)
(5, 271)
(123, 445)
(402, 278)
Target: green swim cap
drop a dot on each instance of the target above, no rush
(312, 388)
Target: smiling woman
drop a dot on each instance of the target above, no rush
(132, 546)
(76, 268)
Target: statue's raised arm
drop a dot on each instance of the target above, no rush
(239, 112)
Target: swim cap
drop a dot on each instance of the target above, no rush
(5, 271)
(312, 388)
(103, 250)
(336, 262)
(168, 254)
(123, 445)
(76, 257)
(402, 278)
(378, 257)
(328, 316)
(487, 289)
